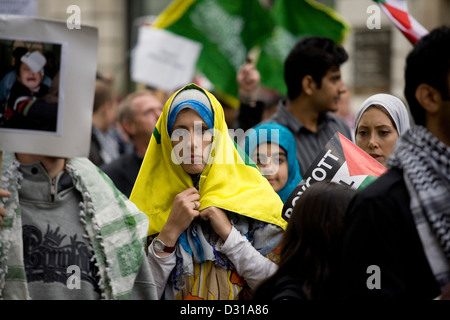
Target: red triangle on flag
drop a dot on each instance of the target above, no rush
(400, 15)
(358, 161)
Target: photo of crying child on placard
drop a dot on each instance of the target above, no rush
(47, 83)
(29, 85)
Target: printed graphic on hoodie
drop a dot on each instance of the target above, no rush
(47, 256)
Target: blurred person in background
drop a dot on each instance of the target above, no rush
(105, 145)
(138, 114)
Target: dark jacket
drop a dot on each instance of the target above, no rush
(28, 110)
(123, 171)
(379, 230)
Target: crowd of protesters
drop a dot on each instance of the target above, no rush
(169, 206)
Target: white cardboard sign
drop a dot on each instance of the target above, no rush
(164, 60)
(75, 54)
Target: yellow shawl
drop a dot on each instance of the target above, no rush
(227, 182)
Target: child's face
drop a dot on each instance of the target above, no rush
(272, 161)
(28, 78)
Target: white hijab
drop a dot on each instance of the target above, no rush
(393, 105)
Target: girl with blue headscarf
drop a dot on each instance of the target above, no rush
(272, 147)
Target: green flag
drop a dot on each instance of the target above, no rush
(295, 19)
(227, 30)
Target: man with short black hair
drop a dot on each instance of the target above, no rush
(314, 89)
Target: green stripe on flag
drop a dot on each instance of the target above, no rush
(366, 182)
(244, 156)
(157, 135)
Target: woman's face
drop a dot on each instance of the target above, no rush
(191, 141)
(28, 78)
(376, 135)
(271, 159)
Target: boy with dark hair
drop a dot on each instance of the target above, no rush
(400, 224)
(314, 88)
(311, 56)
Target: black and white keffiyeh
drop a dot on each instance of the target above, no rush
(425, 162)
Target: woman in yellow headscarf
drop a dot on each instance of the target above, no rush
(213, 216)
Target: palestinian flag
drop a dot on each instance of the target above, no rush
(397, 12)
(340, 161)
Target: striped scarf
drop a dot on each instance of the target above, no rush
(425, 162)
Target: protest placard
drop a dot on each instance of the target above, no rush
(340, 161)
(47, 91)
(19, 7)
(164, 60)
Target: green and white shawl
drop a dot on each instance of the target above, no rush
(117, 231)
